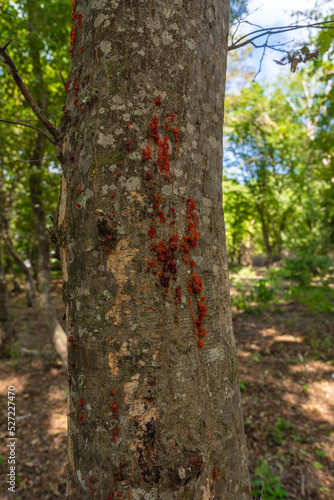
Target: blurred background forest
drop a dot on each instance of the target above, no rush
(278, 197)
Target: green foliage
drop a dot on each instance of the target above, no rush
(39, 50)
(278, 187)
(304, 267)
(266, 480)
(256, 300)
(12, 350)
(324, 40)
(242, 385)
(279, 430)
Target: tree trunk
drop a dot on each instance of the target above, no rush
(29, 285)
(265, 236)
(154, 402)
(6, 330)
(16, 286)
(48, 313)
(45, 306)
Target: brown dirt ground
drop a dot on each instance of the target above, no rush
(286, 372)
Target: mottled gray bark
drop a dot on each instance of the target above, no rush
(154, 403)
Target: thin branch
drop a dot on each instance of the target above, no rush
(29, 126)
(261, 60)
(275, 31)
(5, 57)
(62, 79)
(289, 27)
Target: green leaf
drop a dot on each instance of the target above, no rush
(325, 40)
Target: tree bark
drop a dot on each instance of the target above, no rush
(6, 330)
(16, 285)
(30, 289)
(265, 236)
(44, 297)
(154, 402)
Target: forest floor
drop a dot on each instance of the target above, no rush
(286, 357)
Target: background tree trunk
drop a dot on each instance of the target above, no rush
(30, 285)
(44, 297)
(16, 285)
(6, 330)
(50, 320)
(151, 413)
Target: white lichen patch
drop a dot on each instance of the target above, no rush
(133, 184)
(99, 20)
(167, 38)
(105, 140)
(89, 193)
(213, 141)
(216, 270)
(105, 46)
(167, 189)
(191, 44)
(207, 202)
(153, 24)
(215, 354)
(82, 482)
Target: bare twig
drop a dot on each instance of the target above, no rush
(29, 126)
(5, 57)
(254, 35)
(62, 79)
(261, 60)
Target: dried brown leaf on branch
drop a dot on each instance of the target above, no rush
(298, 56)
